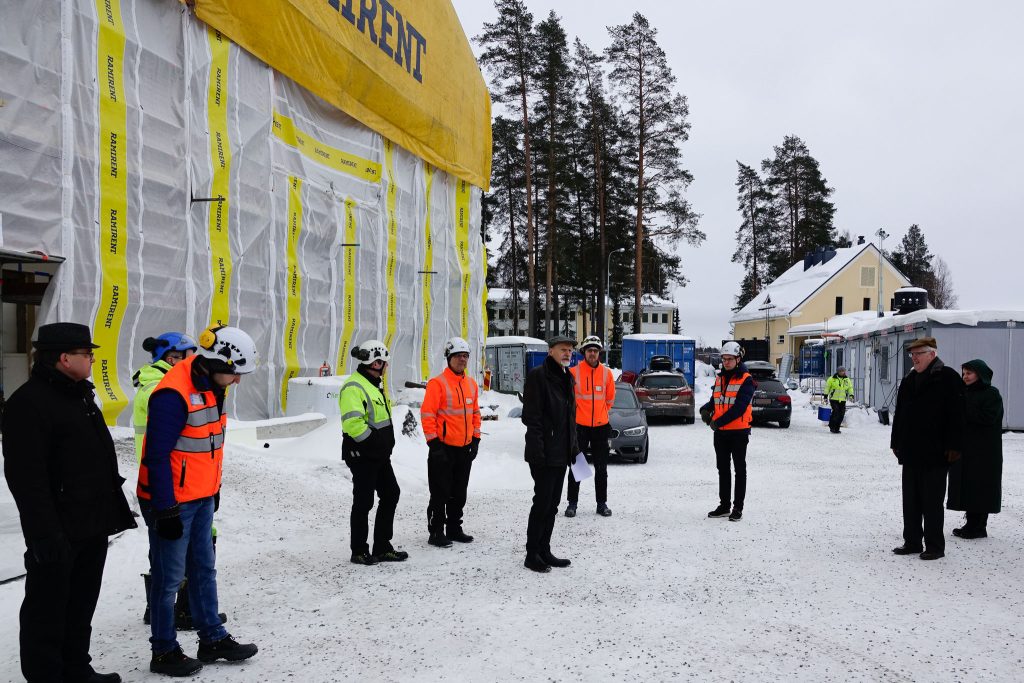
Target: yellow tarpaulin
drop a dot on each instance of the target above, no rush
(403, 68)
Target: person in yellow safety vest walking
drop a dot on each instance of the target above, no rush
(366, 445)
(595, 394)
(450, 415)
(729, 414)
(839, 390)
(179, 490)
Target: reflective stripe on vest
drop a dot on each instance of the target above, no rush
(592, 405)
(368, 410)
(198, 455)
(725, 399)
(457, 416)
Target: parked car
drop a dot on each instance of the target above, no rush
(760, 369)
(771, 402)
(628, 421)
(665, 393)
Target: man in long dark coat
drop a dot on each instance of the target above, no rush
(927, 435)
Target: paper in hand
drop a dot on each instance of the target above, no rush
(581, 469)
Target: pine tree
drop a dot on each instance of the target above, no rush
(505, 203)
(940, 285)
(509, 57)
(801, 195)
(756, 238)
(912, 257)
(657, 121)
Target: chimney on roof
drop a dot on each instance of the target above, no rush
(860, 240)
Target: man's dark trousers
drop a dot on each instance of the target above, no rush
(368, 476)
(547, 493)
(835, 420)
(924, 489)
(594, 441)
(56, 616)
(731, 445)
(448, 479)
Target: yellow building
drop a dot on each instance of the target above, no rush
(825, 284)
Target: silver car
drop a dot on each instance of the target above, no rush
(628, 421)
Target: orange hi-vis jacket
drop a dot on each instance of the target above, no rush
(198, 457)
(595, 393)
(724, 397)
(451, 409)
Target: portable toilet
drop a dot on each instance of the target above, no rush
(507, 358)
(812, 358)
(637, 350)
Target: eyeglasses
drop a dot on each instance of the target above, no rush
(90, 354)
(915, 354)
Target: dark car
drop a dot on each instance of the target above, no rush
(771, 402)
(628, 421)
(760, 369)
(665, 393)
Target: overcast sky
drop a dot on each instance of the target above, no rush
(914, 111)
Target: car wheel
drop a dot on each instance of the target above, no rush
(689, 420)
(642, 459)
(784, 424)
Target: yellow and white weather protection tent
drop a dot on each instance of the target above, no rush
(307, 170)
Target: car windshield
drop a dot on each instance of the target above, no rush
(625, 400)
(771, 385)
(663, 381)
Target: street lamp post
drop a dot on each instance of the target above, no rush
(768, 306)
(882, 234)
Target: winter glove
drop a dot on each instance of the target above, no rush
(952, 456)
(169, 526)
(714, 425)
(51, 550)
(474, 448)
(216, 501)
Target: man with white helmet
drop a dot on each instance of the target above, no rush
(366, 445)
(450, 416)
(729, 414)
(179, 479)
(595, 394)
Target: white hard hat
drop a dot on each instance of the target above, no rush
(731, 349)
(455, 345)
(232, 347)
(371, 350)
(592, 340)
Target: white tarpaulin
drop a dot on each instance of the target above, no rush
(187, 183)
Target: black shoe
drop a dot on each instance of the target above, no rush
(103, 678)
(392, 555)
(227, 648)
(183, 621)
(720, 511)
(960, 532)
(533, 561)
(440, 540)
(604, 510)
(553, 561)
(363, 558)
(570, 510)
(971, 533)
(929, 555)
(907, 550)
(459, 536)
(736, 516)
(174, 663)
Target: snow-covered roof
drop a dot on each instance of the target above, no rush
(912, 289)
(836, 323)
(657, 336)
(655, 300)
(514, 340)
(796, 285)
(934, 315)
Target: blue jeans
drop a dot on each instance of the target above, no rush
(169, 558)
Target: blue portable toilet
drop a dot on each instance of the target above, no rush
(812, 359)
(637, 350)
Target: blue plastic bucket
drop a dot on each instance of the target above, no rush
(824, 413)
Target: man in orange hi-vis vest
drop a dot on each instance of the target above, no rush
(450, 415)
(729, 414)
(595, 394)
(179, 488)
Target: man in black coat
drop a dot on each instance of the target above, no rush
(549, 413)
(60, 465)
(927, 435)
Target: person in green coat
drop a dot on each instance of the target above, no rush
(839, 390)
(975, 480)
(167, 350)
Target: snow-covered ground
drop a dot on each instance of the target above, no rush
(804, 588)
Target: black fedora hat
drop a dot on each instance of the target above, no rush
(64, 336)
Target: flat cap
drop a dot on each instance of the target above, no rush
(923, 341)
(560, 339)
